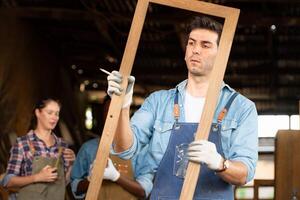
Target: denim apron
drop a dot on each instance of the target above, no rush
(44, 191)
(171, 171)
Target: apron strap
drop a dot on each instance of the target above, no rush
(226, 108)
(176, 109)
(31, 146)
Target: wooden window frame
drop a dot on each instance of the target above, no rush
(230, 16)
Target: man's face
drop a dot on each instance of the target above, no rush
(201, 51)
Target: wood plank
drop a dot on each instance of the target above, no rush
(231, 17)
(200, 7)
(287, 164)
(216, 78)
(116, 102)
(261, 183)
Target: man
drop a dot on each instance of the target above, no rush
(82, 172)
(228, 157)
(117, 184)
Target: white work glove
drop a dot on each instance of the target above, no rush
(89, 177)
(110, 172)
(203, 151)
(114, 87)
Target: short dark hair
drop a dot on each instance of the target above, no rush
(204, 22)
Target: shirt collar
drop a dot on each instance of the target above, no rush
(182, 85)
(32, 136)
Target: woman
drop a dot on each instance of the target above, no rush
(40, 163)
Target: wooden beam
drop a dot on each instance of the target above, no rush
(260, 1)
(246, 19)
(231, 17)
(114, 111)
(47, 13)
(287, 182)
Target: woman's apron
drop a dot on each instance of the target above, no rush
(44, 191)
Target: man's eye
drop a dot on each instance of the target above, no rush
(206, 46)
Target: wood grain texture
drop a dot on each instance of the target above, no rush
(287, 164)
(116, 102)
(231, 17)
(215, 82)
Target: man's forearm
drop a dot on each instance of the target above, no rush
(123, 139)
(82, 187)
(131, 186)
(236, 174)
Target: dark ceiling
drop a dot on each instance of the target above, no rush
(264, 63)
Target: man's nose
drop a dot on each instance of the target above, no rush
(197, 49)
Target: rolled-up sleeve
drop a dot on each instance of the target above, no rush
(128, 154)
(146, 182)
(6, 179)
(244, 139)
(142, 126)
(74, 185)
(79, 172)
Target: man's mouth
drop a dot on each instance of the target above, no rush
(195, 61)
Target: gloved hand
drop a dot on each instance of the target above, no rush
(203, 151)
(89, 177)
(110, 172)
(114, 87)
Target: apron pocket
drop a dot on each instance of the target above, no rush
(180, 161)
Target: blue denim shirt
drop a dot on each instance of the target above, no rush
(81, 166)
(152, 124)
(86, 156)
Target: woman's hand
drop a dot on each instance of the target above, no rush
(69, 156)
(47, 174)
